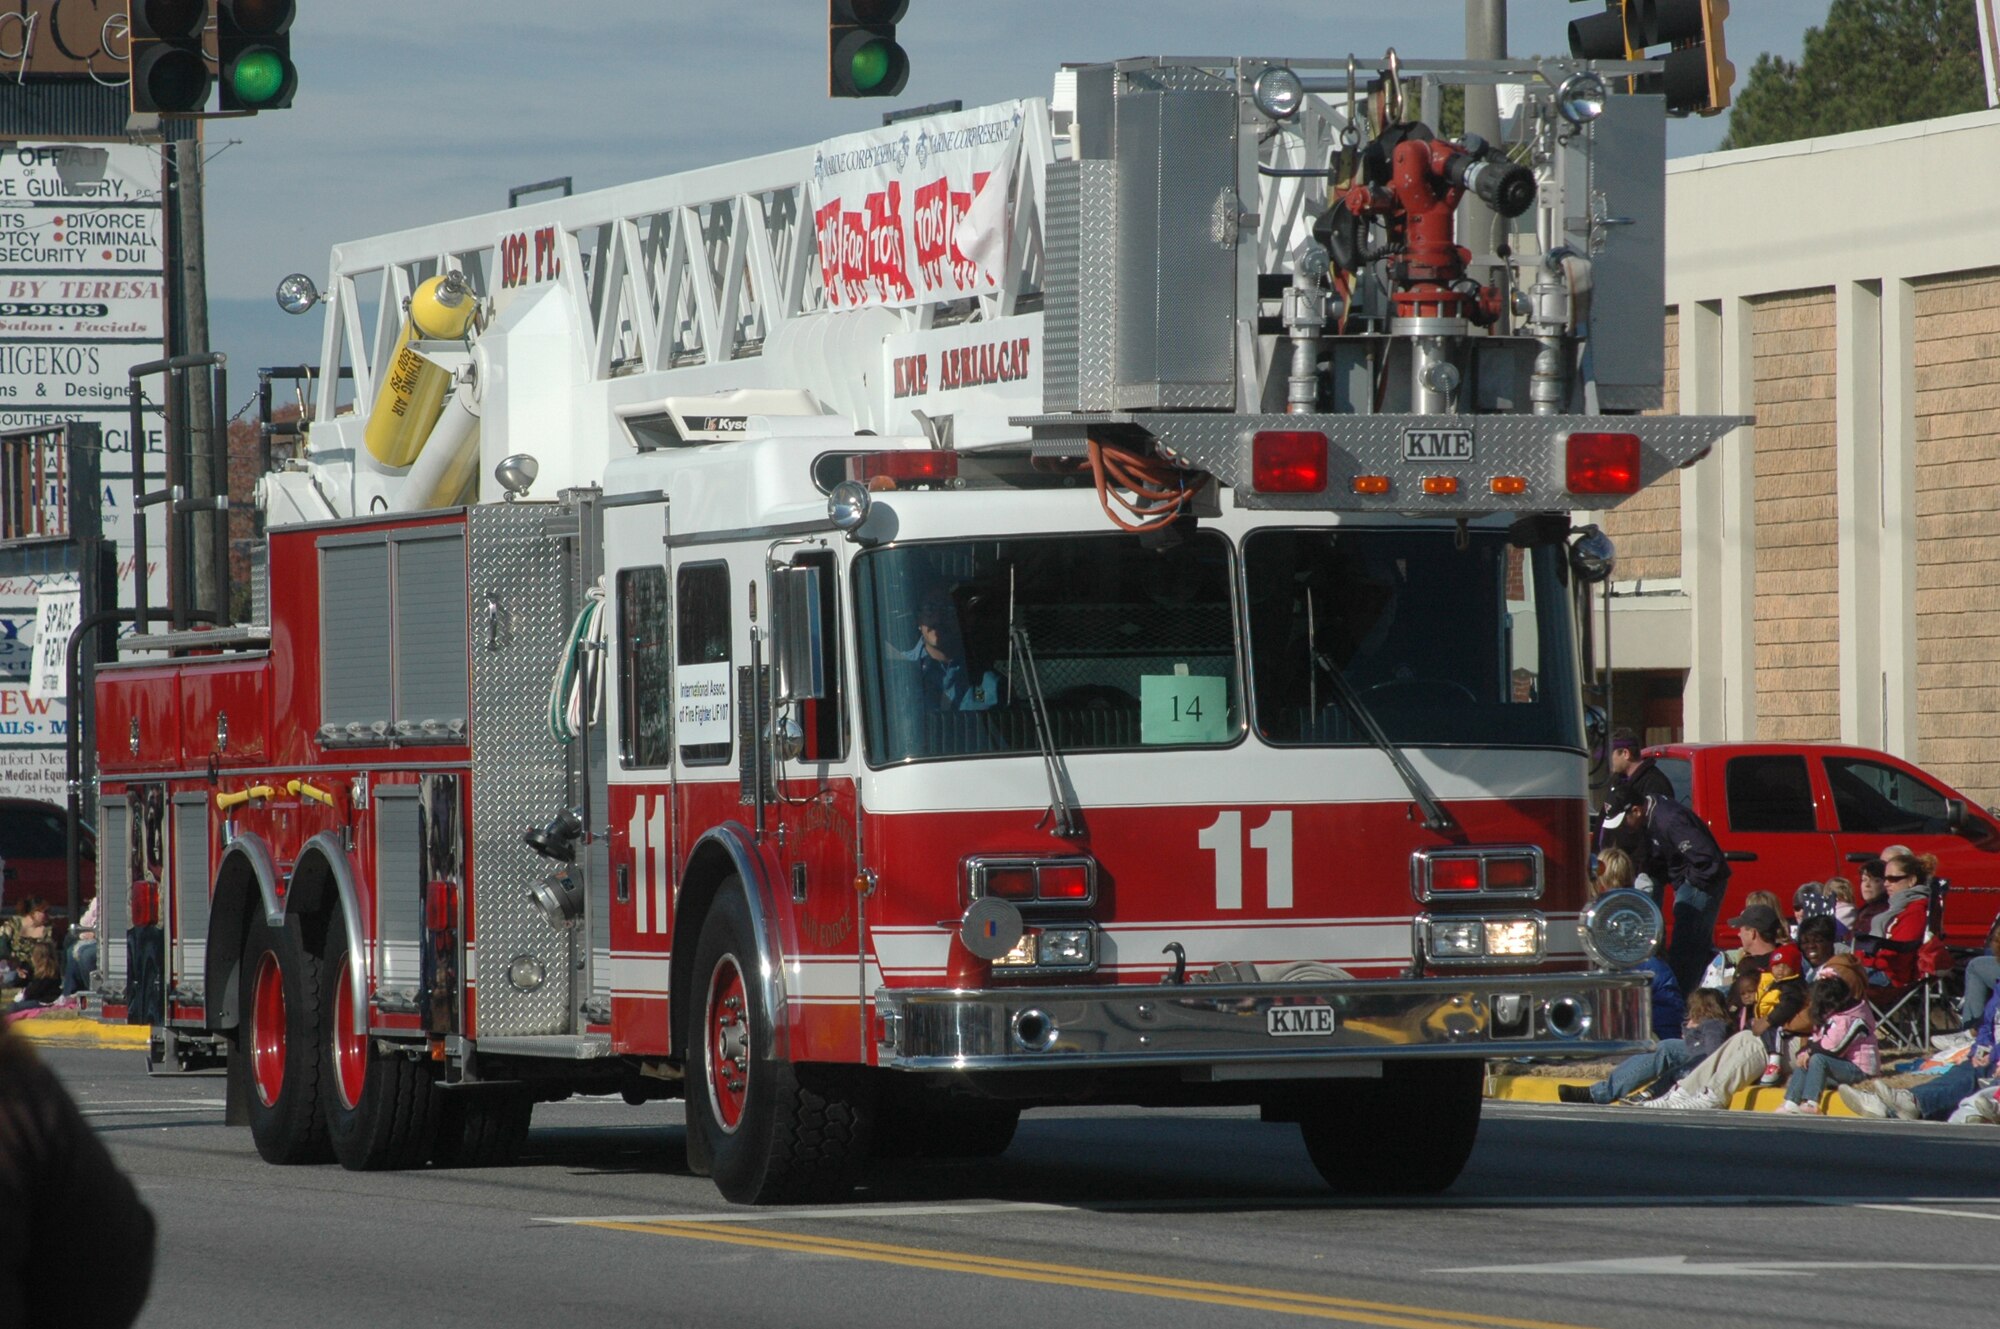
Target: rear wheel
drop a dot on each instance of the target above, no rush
(775, 1132)
(380, 1107)
(1408, 1133)
(280, 1040)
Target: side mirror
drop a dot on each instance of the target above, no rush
(1954, 816)
(797, 643)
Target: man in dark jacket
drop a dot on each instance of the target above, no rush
(1633, 777)
(1693, 862)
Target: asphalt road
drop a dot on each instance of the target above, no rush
(1566, 1217)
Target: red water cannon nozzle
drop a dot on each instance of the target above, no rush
(1413, 183)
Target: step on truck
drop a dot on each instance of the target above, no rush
(1073, 601)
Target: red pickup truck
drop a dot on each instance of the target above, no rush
(1788, 813)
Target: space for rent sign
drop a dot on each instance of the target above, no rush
(904, 215)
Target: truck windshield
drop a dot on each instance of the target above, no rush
(1443, 643)
(1134, 646)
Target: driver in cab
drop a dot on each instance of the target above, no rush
(948, 684)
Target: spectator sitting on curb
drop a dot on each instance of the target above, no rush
(1787, 925)
(1816, 944)
(1737, 1064)
(1888, 948)
(1874, 895)
(1757, 936)
(1842, 1048)
(1781, 1008)
(1839, 891)
(82, 953)
(1937, 1097)
(1657, 1071)
(1982, 979)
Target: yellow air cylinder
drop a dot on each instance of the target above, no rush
(413, 391)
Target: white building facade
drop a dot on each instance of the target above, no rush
(1831, 572)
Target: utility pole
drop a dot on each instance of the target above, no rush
(187, 333)
(1485, 39)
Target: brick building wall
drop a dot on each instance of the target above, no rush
(1647, 526)
(1957, 371)
(1797, 610)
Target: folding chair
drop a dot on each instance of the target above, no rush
(1905, 1018)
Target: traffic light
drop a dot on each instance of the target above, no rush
(1607, 36)
(169, 71)
(862, 57)
(1698, 75)
(253, 51)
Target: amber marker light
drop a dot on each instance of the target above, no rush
(1370, 484)
(1509, 484)
(1441, 484)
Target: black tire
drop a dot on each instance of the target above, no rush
(776, 1133)
(380, 1108)
(1409, 1133)
(481, 1127)
(922, 1121)
(280, 1038)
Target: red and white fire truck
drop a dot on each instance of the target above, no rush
(1074, 601)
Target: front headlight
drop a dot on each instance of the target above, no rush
(1518, 936)
(1620, 929)
(1483, 940)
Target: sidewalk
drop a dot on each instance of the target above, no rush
(1515, 1088)
(72, 1029)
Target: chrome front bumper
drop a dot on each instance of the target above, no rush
(1231, 1028)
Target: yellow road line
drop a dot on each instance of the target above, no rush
(1143, 1285)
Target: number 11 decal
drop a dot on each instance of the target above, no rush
(1224, 838)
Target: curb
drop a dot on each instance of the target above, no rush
(77, 1032)
(1542, 1089)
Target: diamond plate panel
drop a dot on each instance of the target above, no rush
(517, 578)
(1530, 446)
(1059, 290)
(1080, 287)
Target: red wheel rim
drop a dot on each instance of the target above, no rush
(267, 1030)
(726, 1049)
(350, 1050)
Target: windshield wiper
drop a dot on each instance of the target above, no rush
(1435, 817)
(1066, 821)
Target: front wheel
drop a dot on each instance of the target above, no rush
(280, 1040)
(1408, 1133)
(776, 1132)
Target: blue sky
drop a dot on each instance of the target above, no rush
(414, 111)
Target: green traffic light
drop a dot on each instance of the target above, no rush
(870, 66)
(257, 77)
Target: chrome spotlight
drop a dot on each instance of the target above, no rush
(297, 294)
(1580, 98)
(1593, 556)
(516, 474)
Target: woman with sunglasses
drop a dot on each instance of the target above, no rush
(1888, 948)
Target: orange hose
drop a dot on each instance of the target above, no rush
(1159, 491)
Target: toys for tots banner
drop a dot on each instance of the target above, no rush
(888, 206)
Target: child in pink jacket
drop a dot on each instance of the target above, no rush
(1842, 1049)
